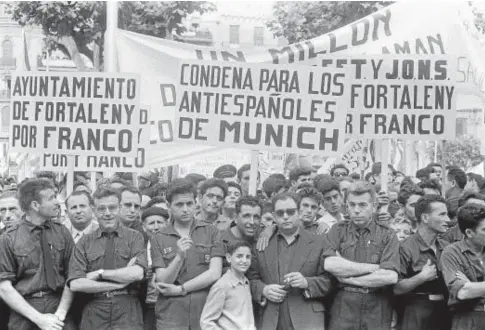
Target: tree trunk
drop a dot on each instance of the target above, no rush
(97, 57)
(69, 43)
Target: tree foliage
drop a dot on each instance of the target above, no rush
(302, 20)
(78, 27)
(463, 152)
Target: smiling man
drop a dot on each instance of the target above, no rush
(364, 257)
(34, 262)
(288, 278)
(105, 263)
(421, 286)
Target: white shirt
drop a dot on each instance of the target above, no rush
(329, 219)
(76, 234)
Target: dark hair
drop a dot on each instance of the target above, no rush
(267, 207)
(478, 179)
(304, 185)
(319, 178)
(327, 186)
(332, 171)
(299, 171)
(155, 200)
(312, 193)
(355, 176)
(423, 204)
(250, 201)
(407, 191)
(284, 196)
(423, 173)
(9, 194)
(130, 189)
(148, 212)
(46, 175)
(434, 165)
(180, 186)
(195, 178)
(29, 191)
(463, 199)
(159, 188)
(214, 182)
(244, 168)
(80, 193)
(361, 187)
(368, 176)
(406, 181)
(430, 184)
(234, 185)
(469, 216)
(273, 184)
(458, 176)
(103, 192)
(452, 206)
(79, 184)
(231, 248)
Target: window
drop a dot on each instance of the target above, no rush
(5, 118)
(234, 34)
(258, 36)
(461, 127)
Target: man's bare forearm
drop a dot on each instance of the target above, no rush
(65, 303)
(124, 275)
(377, 279)
(342, 267)
(89, 286)
(16, 302)
(169, 275)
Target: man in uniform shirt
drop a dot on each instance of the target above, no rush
(364, 256)
(130, 210)
(211, 198)
(187, 260)
(104, 264)
(79, 208)
(34, 260)
(10, 211)
(463, 270)
(288, 278)
(420, 282)
(407, 198)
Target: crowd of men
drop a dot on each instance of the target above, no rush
(309, 251)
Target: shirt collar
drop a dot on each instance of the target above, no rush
(235, 281)
(425, 247)
(30, 226)
(371, 227)
(118, 229)
(170, 230)
(295, 234)
(465, 245)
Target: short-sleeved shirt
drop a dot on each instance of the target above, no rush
(89, 253)
(184, 312)
(453, 235)
(414, 254)
(222, 222)
(375, 244)
(21, 259)
(460, 256)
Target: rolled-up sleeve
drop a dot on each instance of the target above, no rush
(79, 263)
(217, 249)
(331, 242)
(8, 265)
(390, 254)
(404, 262)
(156, 251)
(450, 264)
(138, 250)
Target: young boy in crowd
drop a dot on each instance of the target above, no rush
(228, 305)
(402, 229)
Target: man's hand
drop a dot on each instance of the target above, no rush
(49, 322)
(274, 293)
(183, 245)
(169, 290)
(429, 271)
(60, 314)
(384, 218)
(264, 237)
(382, 198)
(462, 276)
(323, 228)
(296, 280)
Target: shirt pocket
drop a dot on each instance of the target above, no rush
(203, 254)
(57, 252)
(27, 256)
(95, 260)
(347, 249)
(374, 251)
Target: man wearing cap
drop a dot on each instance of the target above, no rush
(226, 172)
(34, 262)
(421, 288)
(105, 264)
(146, 182)
(154, 220)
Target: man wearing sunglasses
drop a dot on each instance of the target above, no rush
(130, 210)
(364, 257)
(211, 198)
(339, 170)
(105, 264)
(288, 278)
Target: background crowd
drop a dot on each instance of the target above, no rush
(309, 251)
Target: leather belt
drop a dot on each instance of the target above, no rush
(428, 296)
(111, 294)
(356, 289)
(39, 294)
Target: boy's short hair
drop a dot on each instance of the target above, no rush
(250, 201)
(299, 171)
(231, 248)
(470, 216)
(423, 205)
(312, 193)
(214, 182)
(180, 186)
(469, 195)
(430, 184)
(457, 174)
(407, 191)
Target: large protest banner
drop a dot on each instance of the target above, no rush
(290, 108)
(402, 96)
(75, 113)
(97, 163)
(449, 30)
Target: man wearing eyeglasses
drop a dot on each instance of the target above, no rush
(211, 199)
(339, 170)
(105, 264)
(288, 278)
(364, 257)
(130, 210)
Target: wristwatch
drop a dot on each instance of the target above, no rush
(100, 274)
